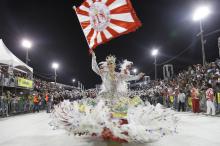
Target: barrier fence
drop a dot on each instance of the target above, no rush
(19, 105)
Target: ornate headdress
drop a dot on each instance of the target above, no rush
(110, 59)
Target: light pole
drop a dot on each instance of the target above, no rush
(27, 45)
(79, 84)
(219, 46)
(155, 53)
(199, 14)
(55, 67)
(73, 80)
(135, 72)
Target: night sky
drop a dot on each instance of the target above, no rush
(53, 27)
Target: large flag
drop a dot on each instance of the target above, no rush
(102, 20)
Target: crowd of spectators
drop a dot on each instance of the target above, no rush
(6, 76)
(9, 75)
(43, 96)
(195, 89)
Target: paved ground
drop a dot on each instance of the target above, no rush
(33, 130)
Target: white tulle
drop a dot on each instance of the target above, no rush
(146, 123)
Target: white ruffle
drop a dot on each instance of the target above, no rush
(146, 123)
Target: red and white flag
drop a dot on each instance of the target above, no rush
(102, 20)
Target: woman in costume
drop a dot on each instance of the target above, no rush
(111, 80)
(112, 115)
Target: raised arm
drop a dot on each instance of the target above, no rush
(132, 77)
(95, 67)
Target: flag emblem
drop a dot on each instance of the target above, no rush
(103, 20)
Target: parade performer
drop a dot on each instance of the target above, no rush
(112, 115)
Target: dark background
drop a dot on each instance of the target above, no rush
(56, 34)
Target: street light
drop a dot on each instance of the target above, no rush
(55, 66)
(219, 46)
(27, 45)
(199, 14)
(155, 53)
(135, 71)
(73, 80)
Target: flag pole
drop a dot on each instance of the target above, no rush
(74, 7)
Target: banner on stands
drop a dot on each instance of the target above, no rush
(25, 83)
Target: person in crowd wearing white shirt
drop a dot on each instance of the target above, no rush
(210, 100)
(181, 100)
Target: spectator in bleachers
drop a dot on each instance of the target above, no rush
(1, 74)
(181, 100)
(31, 102)
(36, 101)
(175, 101)
(195, 98)
(5, 104)
(210, 100)
(217, 95)
(48, 100)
